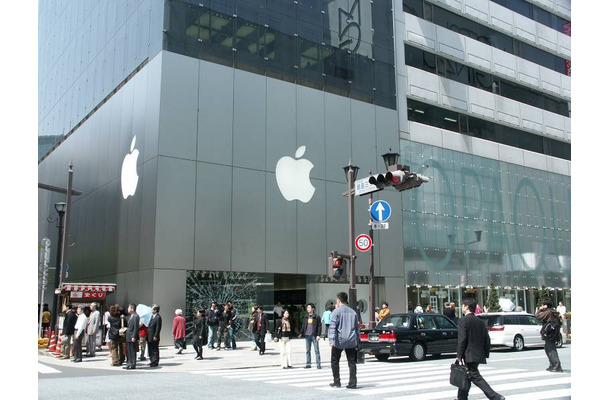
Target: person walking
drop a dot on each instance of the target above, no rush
(278, 311)
(199, 332)
(344, 335)
(312, 329)
(224, 320)
(46, 319)
(473, 349)
(283, 333)
(326, 319)
(179, 331)
(67, 330)
(251, 328)
(385, 310)
(546, 314)
(142, 336)
(232, 325)
(418, 309)
(152, 336)
(131, 337)
(92, 327)
(561, 309)
(115, 340)
(260, 328)
(80, 328)
(212, 320)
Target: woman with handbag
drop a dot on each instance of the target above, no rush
(116, 326)
(283, 333)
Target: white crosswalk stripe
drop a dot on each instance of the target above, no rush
(45, 369)
(409, 381)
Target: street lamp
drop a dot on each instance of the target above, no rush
(61, 210)
(351, 172)
(390, 158)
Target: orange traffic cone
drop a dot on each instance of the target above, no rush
(58, 350)
(52, 346)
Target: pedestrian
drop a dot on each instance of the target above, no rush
(326, 319)
(46, 318)
(107, 328)
(478, 310)
(344, 335)
(67, 330)
(224, 321)
(142, 336)
(131, 337)
(561, 309)
(429, 309)
(79, 333)
(473, 349)
(278, 311)
(115, 340)
(152, 336)
(212, 320)
(199, 333)
(449, 311)
(385, 310)
(251, 328)
(418, 309)
(260, 329)
(92, 328)
(312, 329)
(179, 331)
(283, 334)
(377, 319)
(232, 325)
(546, 314)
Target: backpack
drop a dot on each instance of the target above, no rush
(550, 330)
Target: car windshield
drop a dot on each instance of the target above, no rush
(394, 321)
(491, 320)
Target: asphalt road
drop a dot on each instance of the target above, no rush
(516, 375)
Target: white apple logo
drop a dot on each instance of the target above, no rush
(129, 171)
(293, 177)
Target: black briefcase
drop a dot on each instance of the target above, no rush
(460, 377)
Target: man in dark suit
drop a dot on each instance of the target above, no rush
(152, 336)
(132, 337)
(473, 349)
(260, 328)
(67, 331)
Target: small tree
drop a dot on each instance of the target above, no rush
(493, 304)
(544, 292)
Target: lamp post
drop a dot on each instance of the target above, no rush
(451, 237)
(61, 210)
(351, 172)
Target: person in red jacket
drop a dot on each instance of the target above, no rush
(142, 333)
(179, 331)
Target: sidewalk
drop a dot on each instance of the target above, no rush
(242, 357)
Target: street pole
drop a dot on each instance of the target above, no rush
(67, 221)
(371, 270)
(353, 302)
(60, 237)
(45, 253)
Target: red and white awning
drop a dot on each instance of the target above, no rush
(94, 287)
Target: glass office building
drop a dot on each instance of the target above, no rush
(209, 140)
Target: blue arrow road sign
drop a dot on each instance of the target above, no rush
(380, 211)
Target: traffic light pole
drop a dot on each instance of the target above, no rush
(353, 302)
(371, 271)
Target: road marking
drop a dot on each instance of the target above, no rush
(45, 369)
(475, 390)
(550, 394)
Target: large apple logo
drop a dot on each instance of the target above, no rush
(293, 177)
(129, 171)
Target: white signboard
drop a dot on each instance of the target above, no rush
(380, 225)
(362, 186)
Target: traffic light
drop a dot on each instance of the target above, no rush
(404, 179)
(380, 181)
(336, 267)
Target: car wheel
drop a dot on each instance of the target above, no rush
(518, 343)
(382, 357)
(418, 352)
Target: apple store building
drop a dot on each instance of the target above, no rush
(208, 141)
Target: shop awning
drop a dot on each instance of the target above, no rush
(94, 287)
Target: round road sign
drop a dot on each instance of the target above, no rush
(363, 242)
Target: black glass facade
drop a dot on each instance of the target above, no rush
(343, 47)
(471, 126)
(483, 80)
(484, 34)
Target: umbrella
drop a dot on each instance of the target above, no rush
(507, 305)
(145, 313)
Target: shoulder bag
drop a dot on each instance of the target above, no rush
(460, 377)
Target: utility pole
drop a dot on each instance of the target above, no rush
(350, 171)
(371, 270)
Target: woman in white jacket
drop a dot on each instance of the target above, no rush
(79, 334)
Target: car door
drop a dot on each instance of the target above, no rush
(433, 335)
(526, 329)
(448, 330)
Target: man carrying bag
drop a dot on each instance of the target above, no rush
(473, 349)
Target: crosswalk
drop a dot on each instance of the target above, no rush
(45, 369)
(411, 381)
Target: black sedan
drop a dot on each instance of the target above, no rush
(410, 334)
